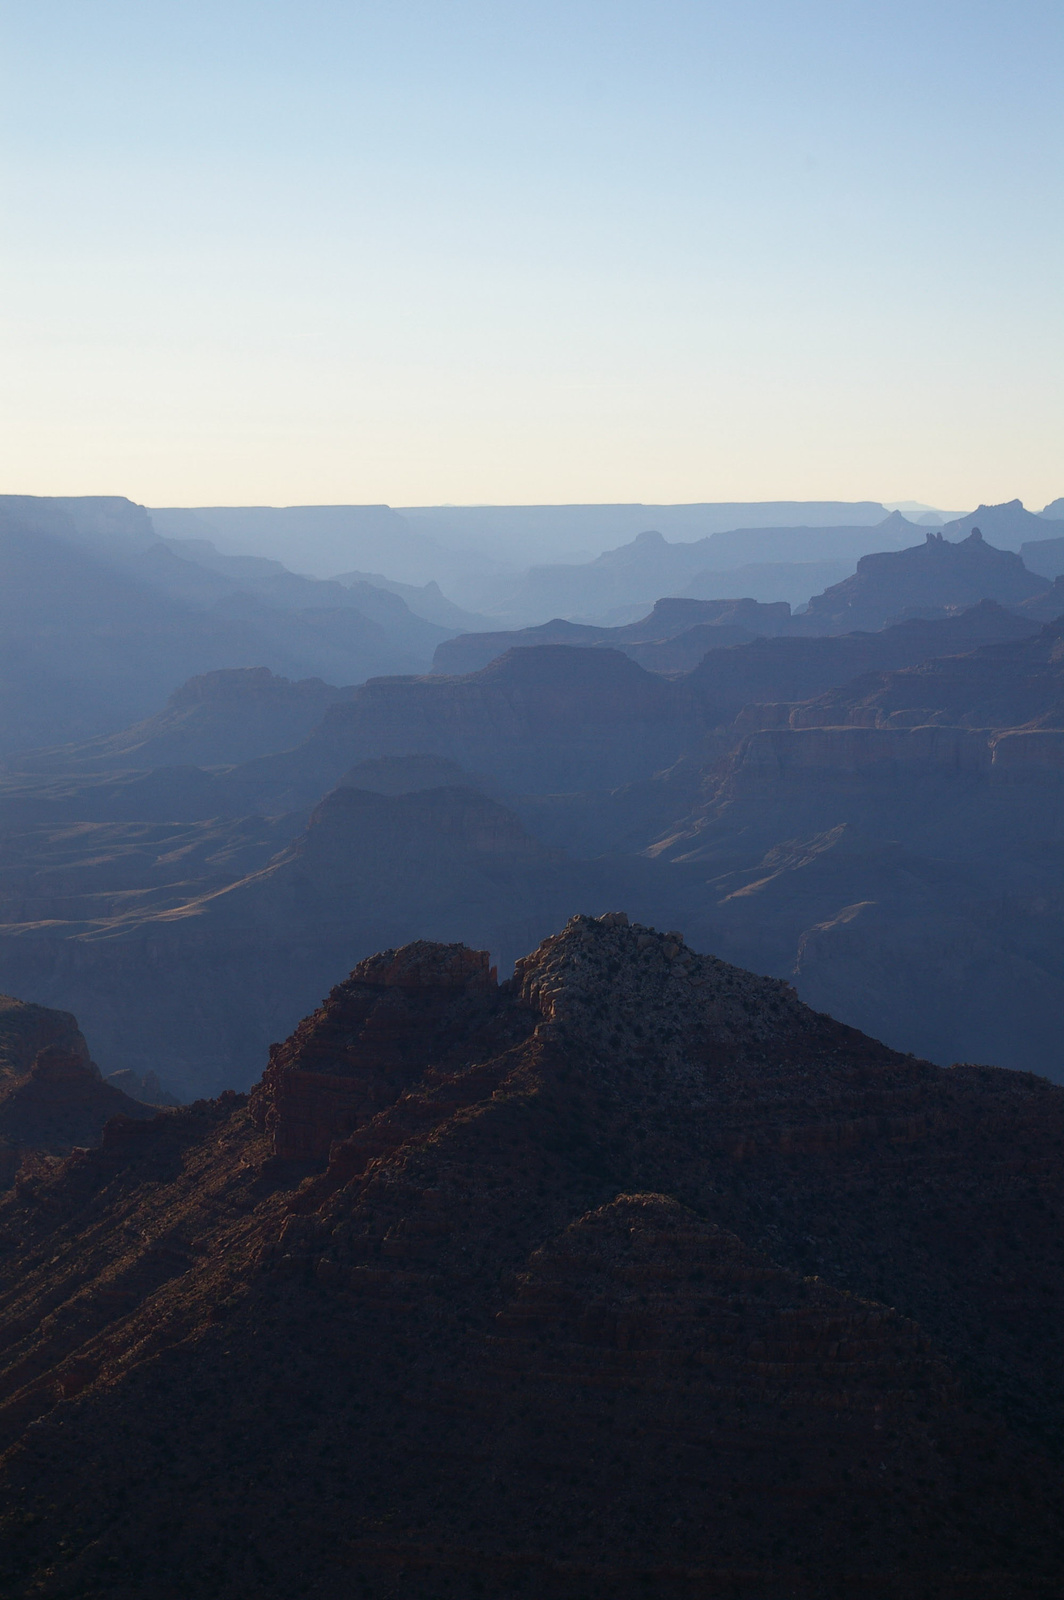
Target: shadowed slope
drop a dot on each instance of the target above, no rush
(505, 1291)
(51, 1095)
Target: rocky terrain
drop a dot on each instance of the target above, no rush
(52, 1097)
(925, 579)
(628, 1276)
(190, 916)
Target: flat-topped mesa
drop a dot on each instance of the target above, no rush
(398, 1013)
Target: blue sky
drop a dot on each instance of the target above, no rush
(482, 252)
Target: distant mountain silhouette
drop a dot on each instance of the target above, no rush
(1044, 607)
(193, 570)
(768, 581)
(458, 798)
(549, 718)
(928, 577)
(100, 622)
(425, 600)
(808, 543)
(531, 535)
(728, 622)
(545, 719)
(650, 566)
(1008, 526)
(328, 539)
(906, 876)
(147, 1088)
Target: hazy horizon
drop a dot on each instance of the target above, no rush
(472, 255)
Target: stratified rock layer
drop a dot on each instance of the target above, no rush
(628, 1276)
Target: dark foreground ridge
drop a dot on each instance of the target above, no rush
(629, 1276)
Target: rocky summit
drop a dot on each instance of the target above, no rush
(628, 1276)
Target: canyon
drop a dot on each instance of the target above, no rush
(872, 816)
(608, 1260)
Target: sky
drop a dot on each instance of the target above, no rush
(467, 252)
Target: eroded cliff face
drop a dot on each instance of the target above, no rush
(628, 1274)
(775, 757)
(399, 1014)
(52, 1097)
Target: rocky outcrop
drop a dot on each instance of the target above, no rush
(371, 1039)
(927, 577)
(26, 1030)
(772, 758)
(52, 1096)
(62, 1102)
(629, 1274)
